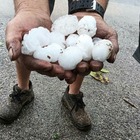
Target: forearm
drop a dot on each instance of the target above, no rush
(32, 5)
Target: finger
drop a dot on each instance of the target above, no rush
(95, 65)
(114, 39)
(83, 68)
(14, 49)
(112, 58)
(35, 64)
(70, 77)
(13, 41)
(70, 81)
(58, 70)
(61, 78)
(55, 71)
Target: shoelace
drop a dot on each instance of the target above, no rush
(16, 95)
(78, 104)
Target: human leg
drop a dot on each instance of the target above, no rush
(23, 91)
(73, 101)
(23, 75)
(21, 95)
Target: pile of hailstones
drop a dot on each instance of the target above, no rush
(69, 42)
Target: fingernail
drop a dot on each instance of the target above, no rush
(10, 53)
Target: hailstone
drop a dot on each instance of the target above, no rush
(87, 25)
(84, 42)
(57, 37)
(70, 58)
(102, 50)
(66, 24)
(29, 45)
(36, 38)
(72, 40)
(96, 39)
(41, 34)
(50, 53)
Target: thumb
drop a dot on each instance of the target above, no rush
(14, 49)
(13, 36)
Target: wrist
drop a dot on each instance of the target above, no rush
(32, 6)
(32, 19)
(96, 6)
(94, 14)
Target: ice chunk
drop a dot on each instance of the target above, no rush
(36, 38)
(102, 50)
(66, 24)
(70, 58)
(50, 53)
(57, 37)
(84, 42)
(71, 40)
(87, 25)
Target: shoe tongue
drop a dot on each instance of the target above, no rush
(17, 89)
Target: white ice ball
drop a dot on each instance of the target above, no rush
(50, 53)
(102, 50)
(41, 34)
(29, 45)
(72, 40)
(96, 39)
(70, 58)
(58, 38)
(84, 42)
(36, 38)
(66, 24)
(87, 25)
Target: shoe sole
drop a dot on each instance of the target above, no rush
(82, 128)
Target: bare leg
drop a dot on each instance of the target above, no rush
(75, 105)
(74, 88)
(23, 75)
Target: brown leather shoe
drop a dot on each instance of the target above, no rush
(76, 107)
(16, 100)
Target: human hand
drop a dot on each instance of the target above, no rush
(104, 31)
(16, 28)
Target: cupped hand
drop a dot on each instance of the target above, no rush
(104, 31)
(15, 30)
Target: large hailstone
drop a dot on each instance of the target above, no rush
(36, 38)
(72, 40)
(87, 25)
(102, 50)
(70, 58)
(50, 53)
(96, 39)
(84, 42)
(66, 24)
(58, 38)
(41, 34)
